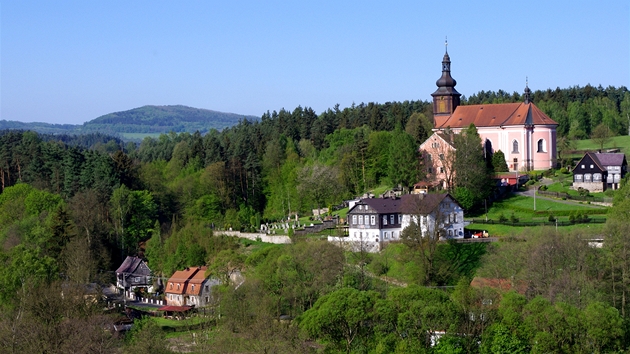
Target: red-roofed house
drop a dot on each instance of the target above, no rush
(189, 287)
(524, 133)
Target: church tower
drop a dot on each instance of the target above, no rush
(445, 98)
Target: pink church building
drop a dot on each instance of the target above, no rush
(523, 132)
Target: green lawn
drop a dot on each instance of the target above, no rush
(522, 208)
(506, 230)
(621, 142)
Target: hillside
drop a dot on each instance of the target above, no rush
(136, 123)
(163, 119)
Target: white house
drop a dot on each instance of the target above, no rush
(375, 221)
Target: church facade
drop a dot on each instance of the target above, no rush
(523, 132)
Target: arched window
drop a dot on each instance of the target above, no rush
(541, 146)
(515, 147)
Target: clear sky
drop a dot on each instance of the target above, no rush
(72, 61)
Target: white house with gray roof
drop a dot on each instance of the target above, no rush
(375, 221)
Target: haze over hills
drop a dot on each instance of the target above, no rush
(146, 120)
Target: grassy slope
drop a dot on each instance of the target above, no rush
(618, 142)
(523, 209)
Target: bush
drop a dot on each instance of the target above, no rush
(543, 188)
(513, 218)
(502, 218)
(551, 217)
(583, 192)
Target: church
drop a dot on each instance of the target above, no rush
(523, 132)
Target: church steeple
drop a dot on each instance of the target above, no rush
(527, 93)
(445, 98)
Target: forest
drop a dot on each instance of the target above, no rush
(72, 208)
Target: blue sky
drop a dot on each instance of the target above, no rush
(72, 61)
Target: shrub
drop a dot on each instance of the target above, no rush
(502, 218)
(583, 192)
(551, 217)
(513, 218)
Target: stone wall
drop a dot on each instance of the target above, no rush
(591, 186)
(256, 236)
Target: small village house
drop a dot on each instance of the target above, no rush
(597, 171)
(189, 287)
(134, 273)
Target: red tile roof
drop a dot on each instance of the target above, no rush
(495, 115)
(181, 280)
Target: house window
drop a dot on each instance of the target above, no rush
(583, 166)
(367, 220)
(450, 233)
(193, 287)
(541, 146)
(386, 235)
(428, 157)
(177, 286)
(136, 279)
(360, 219)
(373, 219)
(597, 177)
(587, 177)
(171, 285)
(578, 178)
(360, 207)
(430, 169)
(391, 219)
(441, 156)
(354, 219)
(515, 147)
(592, 166)
(441, 169)
(171, 297)
(399, 218)
(384, 219)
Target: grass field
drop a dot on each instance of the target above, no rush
(139, 136)
(621, 142)
(522, 208)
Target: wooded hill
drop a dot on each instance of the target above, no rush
(146, 119)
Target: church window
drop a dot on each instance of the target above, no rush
(541, 146)
(515, 147)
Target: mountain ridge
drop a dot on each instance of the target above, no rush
(144, 120)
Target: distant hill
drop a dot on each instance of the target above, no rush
(146, 120)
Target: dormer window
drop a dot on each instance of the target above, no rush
(171, 285)
(193, 287)
(177, 286)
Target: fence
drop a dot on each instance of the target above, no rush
(575, 197)
(540, 223)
